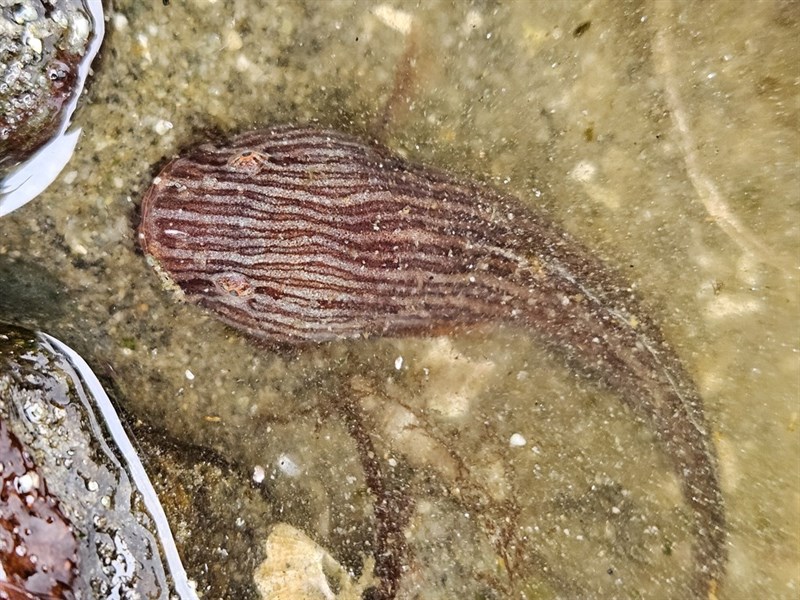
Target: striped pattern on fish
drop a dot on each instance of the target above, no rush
(298, 234)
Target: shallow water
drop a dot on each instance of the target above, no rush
(666, 141)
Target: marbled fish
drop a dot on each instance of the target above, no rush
(298, 235)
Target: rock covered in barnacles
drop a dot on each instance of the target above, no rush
(41, 46)
(46, 53)
(46, 406)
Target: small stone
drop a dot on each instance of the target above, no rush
(162, 126)
(517, 441)
(233, 41)
(297, 567)
(120, 21)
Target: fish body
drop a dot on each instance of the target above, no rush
(301, 235)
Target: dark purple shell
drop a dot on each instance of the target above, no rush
(296, 234)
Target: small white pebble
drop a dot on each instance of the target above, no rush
(258, 474)
(242, 63)
(517, 441)
(233, 41)
(120, 21)
(615, 510)
(189, 375)
(144, 44)
(398, 363)
(162, 126)
(69, 178)
(92, 486)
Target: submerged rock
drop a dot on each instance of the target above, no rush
(297, 568)
(222, 515)
(41, 46)
(91, 468)
(46, 51)
(31, 292)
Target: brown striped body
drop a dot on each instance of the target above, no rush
(305, 235)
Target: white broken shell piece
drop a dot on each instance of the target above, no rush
(297, 568)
